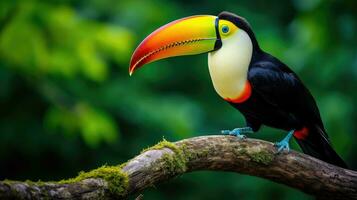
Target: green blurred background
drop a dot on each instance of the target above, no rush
(67, 103)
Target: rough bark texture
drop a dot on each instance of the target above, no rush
(219, 153)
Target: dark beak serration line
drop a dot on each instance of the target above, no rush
(168, 46)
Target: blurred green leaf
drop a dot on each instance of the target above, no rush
(94, 125)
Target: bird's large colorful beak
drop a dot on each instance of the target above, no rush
(187, 36)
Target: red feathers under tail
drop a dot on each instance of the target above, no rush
(317, 145)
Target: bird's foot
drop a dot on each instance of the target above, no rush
(284, 144)
(238, 132)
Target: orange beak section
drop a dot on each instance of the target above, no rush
(187, 36)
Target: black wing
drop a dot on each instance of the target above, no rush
(280, 87)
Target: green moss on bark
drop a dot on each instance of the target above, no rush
(116, 179)
(262, 157)
(163, 144)
(255, 154)
(173, 163)
(198, 153)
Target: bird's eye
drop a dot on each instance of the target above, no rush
(225, 29)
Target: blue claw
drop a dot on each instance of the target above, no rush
(284, 144)
(238, 132)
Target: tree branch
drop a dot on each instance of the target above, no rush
(218, 153)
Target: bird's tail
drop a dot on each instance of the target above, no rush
(316, 144)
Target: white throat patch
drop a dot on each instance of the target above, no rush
(228, 66)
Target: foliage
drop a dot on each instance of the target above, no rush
(67, 102)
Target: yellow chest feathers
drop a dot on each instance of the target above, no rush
(229, 65)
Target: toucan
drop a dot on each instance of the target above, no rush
(264, 89)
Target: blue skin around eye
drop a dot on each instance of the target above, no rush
(225, 29)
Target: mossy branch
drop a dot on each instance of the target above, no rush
(219, 153)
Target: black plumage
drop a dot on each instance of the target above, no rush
(279, 99)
